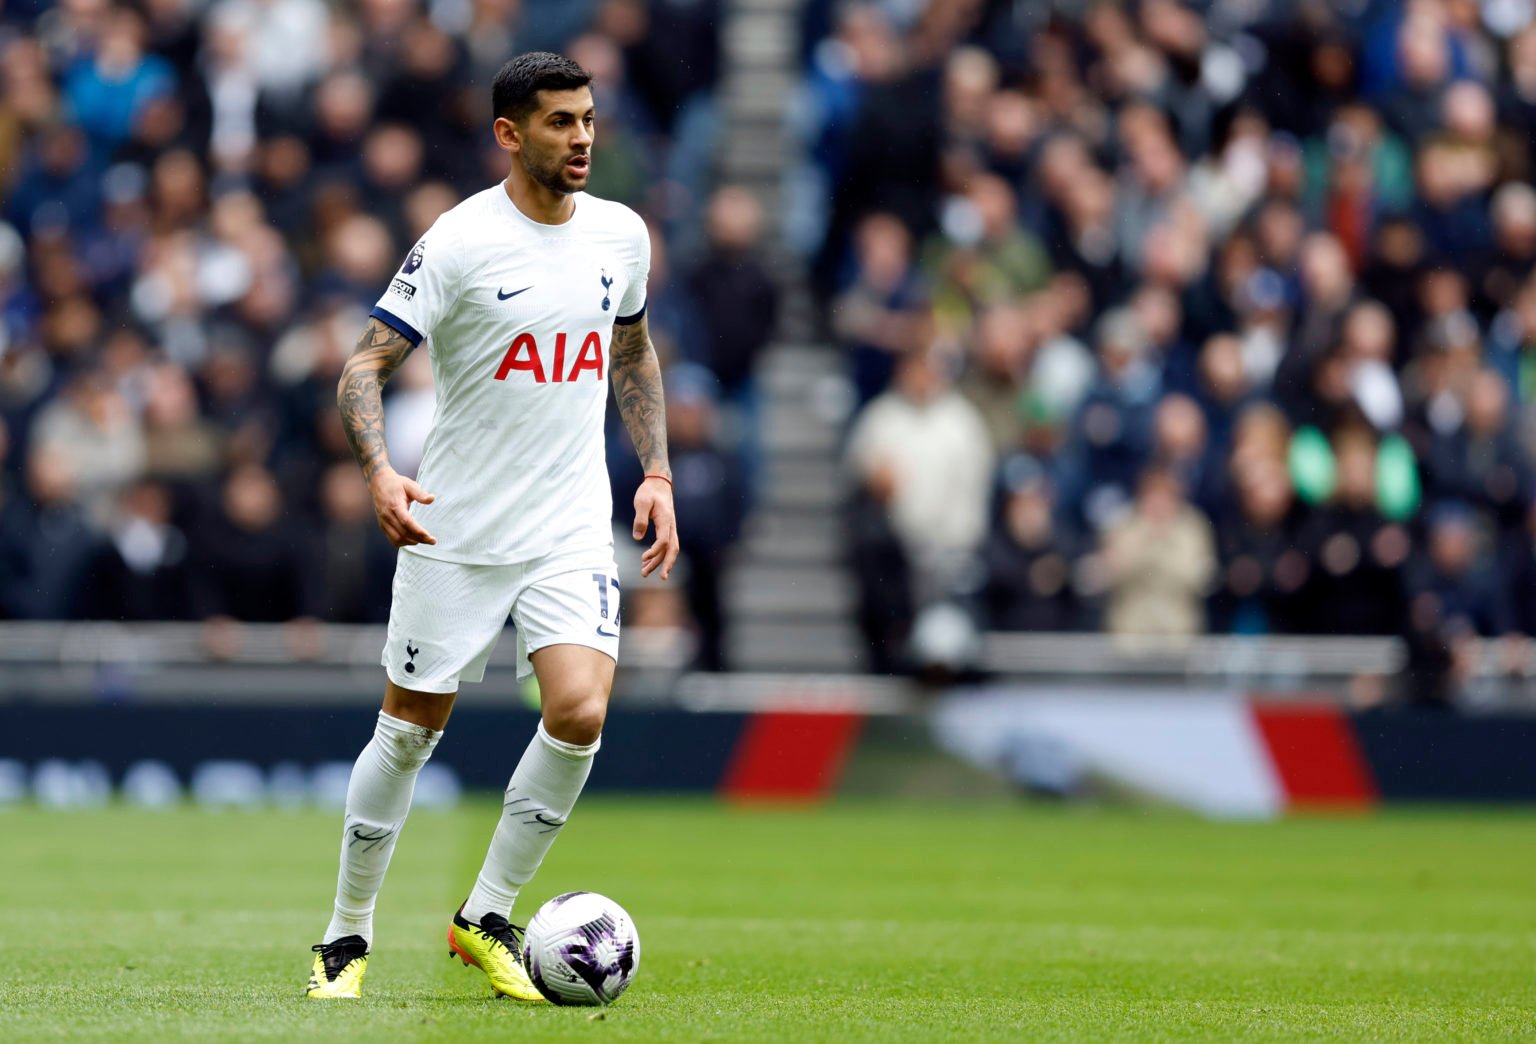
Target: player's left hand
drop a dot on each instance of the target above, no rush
(653, 504)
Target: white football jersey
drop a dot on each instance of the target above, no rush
(518, 317)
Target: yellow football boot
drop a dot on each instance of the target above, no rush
(338, 970)
(494, 948)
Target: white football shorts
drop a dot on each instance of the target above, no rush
(446, 617)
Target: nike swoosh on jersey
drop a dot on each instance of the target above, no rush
(502, 297)
(604, 634)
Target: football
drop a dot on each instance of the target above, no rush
(581, 948)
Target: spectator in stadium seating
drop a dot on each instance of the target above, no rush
(628, 167)
(998, 355)
(1393, 273)
(356, 560)
(1481, 462)
(108, 90)
(1434, 382)
(672, 50)
(1263, 570)
(1517, 93)
(94, 429)
(1062, 369)
(234, 398)
(1152, 189)
(249, 562)
(924, 451)
(1454, 591)
(140, 571)
(1358, 553)
(283, 41)
(970, 79)
(52, 545)
(1112, 433)
(1509, 265)
(982, 256)
(305, 366)
(358, 261)
(737, 306)
(1424, 66)
(1159, 560)
(1451, 207)
(1181, 444)
(887, 604)
(343, 111)
(1468, 117)
(1223, 388)
(710, 490)
(1030, 558)
(1157, 308)
(1327, 292)
(391, 164)
(889, 150)
(1077, 221)
(1011, 132)
(178, 443)
(1357, 173)
(877, 314)
(425, 93)
(56, 186)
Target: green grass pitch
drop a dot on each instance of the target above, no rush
(859, 921)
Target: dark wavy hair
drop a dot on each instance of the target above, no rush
(515, 93)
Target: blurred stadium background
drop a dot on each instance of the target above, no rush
(1094, 392)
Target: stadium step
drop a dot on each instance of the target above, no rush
(780, 590)
(832, 646)
(813, 527)
(793, 437)
(788, 596)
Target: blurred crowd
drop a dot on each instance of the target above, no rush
(201, 200)
(1173, 317)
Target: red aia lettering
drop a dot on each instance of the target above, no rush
(589, 358)
(512, 362)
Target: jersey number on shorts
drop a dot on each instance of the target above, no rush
(603, 583)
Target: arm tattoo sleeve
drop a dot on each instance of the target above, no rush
(379, 352)
(636, 375)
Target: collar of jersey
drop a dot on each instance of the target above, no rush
(565, 228)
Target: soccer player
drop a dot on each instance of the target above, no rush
(531, 295)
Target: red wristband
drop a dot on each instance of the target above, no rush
(662, 477)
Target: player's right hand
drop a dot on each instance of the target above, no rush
(392, 496)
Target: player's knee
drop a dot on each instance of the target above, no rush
(578, 720)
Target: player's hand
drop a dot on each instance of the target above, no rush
(653, 504)
(392, 497)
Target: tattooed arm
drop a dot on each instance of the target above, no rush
(636, 376)
(379, 352)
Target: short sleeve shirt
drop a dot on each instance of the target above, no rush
(518, 317)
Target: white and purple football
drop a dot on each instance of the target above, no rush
(581, 948)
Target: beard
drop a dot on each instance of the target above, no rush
(550, 171)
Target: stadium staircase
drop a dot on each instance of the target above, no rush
(789, 596)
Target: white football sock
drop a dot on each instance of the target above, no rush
(540, 796)
(378, 797)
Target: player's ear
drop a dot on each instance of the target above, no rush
(508, 134)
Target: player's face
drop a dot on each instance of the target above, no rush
(556, 143)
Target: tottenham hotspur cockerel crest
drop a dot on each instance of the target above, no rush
(607, 282)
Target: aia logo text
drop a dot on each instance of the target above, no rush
(524, 355)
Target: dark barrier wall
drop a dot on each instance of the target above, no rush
(660, 750)
(1441, 756)
(1405, 755)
